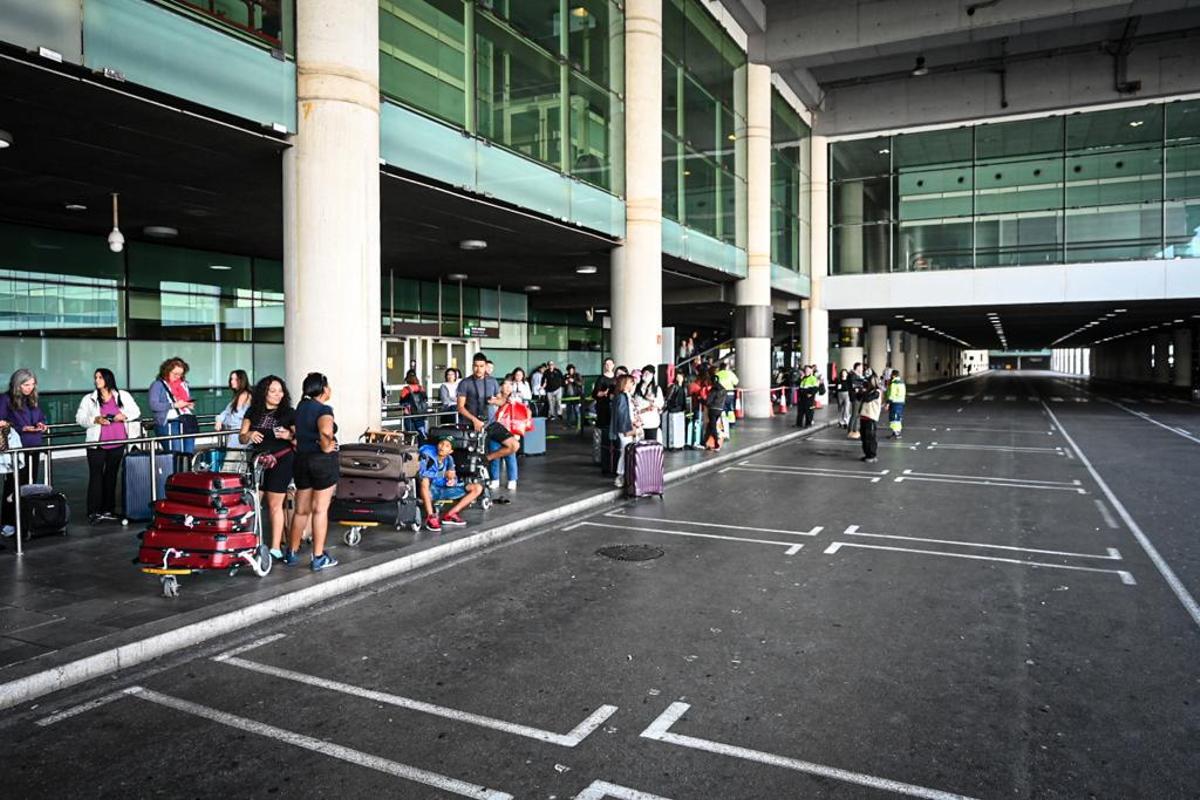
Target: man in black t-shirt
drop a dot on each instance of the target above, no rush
(477, 396)
(602, 393)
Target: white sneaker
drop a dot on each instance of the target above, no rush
(619, 482)
(512, 485)
(494, 485)
(8, 530)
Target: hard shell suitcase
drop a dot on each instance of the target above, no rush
(354, 488)
(397, 513)
(533, 443)
(675, 430)
(172, 515)
(190, 559)
(213, 489)
(597, 446)
(643, 469)
(384, 461)
(44, 512)
(193, 541)
(136, 481)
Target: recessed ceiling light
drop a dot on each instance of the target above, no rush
(160, 232)
(884, 152)
(75, 207)
(586, 269)
(533, 287)
(1178, 321)
(732, 137)
(6, 140)
(1137, 123)
(220, 267)
(791, 322)
(899, 316)
(579, 11)
(472, 244)
(1120, 310)
(601, 310)
(456, 276)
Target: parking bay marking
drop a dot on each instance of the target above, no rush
(619, 515)
(1001, 448)
(820, 472)
(1112, 553)
(601, 789)
(792, 548)
(349, 755)
(580, 732)
(1126, 577)
(986, 480)
(660, 731)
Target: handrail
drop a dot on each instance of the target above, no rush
(727, 343)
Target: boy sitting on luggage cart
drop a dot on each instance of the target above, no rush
(438, 483)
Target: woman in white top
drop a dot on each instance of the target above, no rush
(448, 391)
(104, 414)
(648, 401)
(521, 387)
(231, 418)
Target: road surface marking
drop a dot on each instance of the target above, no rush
(620, 515)
(941, 386)
(81, 708)
(581, 731)
(987, 482)
(987, 398)
(822, 469)
(602, 789)
(1001, 448)
(1164, 569)
(814, 472)
(1072, 484)
(257, 643)
(791, 546)
(356, 757)
(1126, 577)
(995, 430)
(660, 731)
(1112, 555)
(1056, 399)
(1153, 421)
(1108, 517)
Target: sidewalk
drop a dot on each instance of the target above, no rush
(76, 607)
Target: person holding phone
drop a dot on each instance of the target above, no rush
(103, 415)
(269, 429)
(172, 404)
(19, 408)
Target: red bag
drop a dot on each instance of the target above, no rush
(173, 515)
(160, 539)
(212, 489)
(515, 417)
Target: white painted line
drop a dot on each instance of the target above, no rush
(577, 524)
(1104, 512)
(1111, 555)
(1126, 577)
(987, 398)
(995, 430)
(1056, 399)
(819, 469)
(693, 534)
(81, 708)
(602, 789)
(1023, 481)
(941, 386)
(1153, 421)
(257, 643)
(812, 473)
(356, 757)
(621, 515)
(796, 548)
(993, 483)
(580, 732)
(660, 731)
(1000, 448)
(1164, 569)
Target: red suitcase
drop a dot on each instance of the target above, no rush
(212, 489)
(192, 542)
(173, 515)
(191, 559)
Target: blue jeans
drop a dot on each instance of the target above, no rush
(510, 463)
(173, 428)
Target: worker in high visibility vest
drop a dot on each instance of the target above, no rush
(896, 393)
(810, 385)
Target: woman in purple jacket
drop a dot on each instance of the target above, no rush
(19, 408)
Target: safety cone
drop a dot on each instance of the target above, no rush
(738, 412)
(781, 406)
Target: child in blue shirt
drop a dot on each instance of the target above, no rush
(438, 482)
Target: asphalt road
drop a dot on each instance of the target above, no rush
(972, 616)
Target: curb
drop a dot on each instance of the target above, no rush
(124, 656)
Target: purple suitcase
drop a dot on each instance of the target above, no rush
(644, 469)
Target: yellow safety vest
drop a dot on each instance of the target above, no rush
(896, 391)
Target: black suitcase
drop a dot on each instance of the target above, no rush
(396, 513)
(44, 512)
(136, 481)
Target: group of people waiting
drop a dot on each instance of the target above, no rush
(862, 397)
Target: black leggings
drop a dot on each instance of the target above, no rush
(103, 466)
(870, 440)
(30, 465)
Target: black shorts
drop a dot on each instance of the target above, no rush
(498, 433)
(316, 471)
(278, 477)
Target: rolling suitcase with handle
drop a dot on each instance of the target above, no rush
(44, 512)
(643, 469)
(136, 481)
(172, 515)
(675, 430)
(215, 490)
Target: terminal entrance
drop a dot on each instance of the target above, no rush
(428, 356)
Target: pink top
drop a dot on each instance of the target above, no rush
(114, 430)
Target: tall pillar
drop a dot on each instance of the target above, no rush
(818, 317)
(331, 210)
(850, 341)
(636, 283)
(805, 333)
(896, 354)
(925, 359)
(1162, 363)
(753, 316)
(1183, 358)
(910, 360)
(877, 341)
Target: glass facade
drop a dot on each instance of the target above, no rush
(542, 78)
(791, 187)
(1115, 185)
(704, 115)
(269, 22)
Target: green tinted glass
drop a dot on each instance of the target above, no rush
(1121, 127)
(177, 269)
(596, 124)
(422, 56)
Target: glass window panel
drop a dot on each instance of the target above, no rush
(422, 56)
(261, 19)
(514, 306)
(1027, 137)
(547, 337)
(1005, 240)
(596, 123)
(518, 92)
(699, 117)
(673, 28)
(1183, 120)
(66, 365)
(699, 193)
(727, 143)
(1114, 233)
(943, 147)
(860, 158)
(471, 302)
(489, 304)
(1007, 186)
(70, 257)
(268, 276)
(671, 98)
(268, 360)
(1127, 176)
(429, 300)
(210, 362)
(729, 186)
(1183, 228)
(60, 309)
(934, 244)
(177, 269)
(268, 321)
(1121, 127)
(190, 317)
(583, 338)
(926, 194)
(857, 202)
(537, 20)
(672, 175)
(1183, 172)
(860, 248)
(596, 41)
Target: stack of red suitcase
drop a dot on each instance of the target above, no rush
(207, 518)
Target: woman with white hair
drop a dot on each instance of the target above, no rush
(19, 408)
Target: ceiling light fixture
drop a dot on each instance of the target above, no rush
(160, 231)
(220, 267)
(533, 287)
(919, 68)
(75, 207)
(1137, 123)
(586, 269)
(457, 276)
(579, 11)
(6, 140)
(885, 152)
(472, 244)
(116, 239)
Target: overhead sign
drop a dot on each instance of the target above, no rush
(480, 332)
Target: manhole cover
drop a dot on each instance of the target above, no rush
(630, 552)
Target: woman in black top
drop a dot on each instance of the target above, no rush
(269, 428)
(316, 468)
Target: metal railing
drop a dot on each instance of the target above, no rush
(726, 345)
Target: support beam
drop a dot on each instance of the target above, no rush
(877, 340)
(1183, 358)
(818, 317)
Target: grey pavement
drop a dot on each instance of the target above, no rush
(969, 617)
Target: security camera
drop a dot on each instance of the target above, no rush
(116, 241)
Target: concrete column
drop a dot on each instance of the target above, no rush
(1162, 362)
(877, 340)
(331, 210)
(805, 332)
(818, 317)
(637, 263)
(896, 355)
(752, 319)
(850, 339)
(925, 360)
(910, 359)
(1183, 358)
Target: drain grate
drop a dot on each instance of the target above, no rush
(630, 552)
